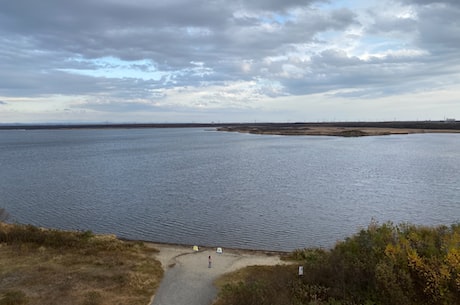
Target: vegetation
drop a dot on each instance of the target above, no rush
(384, 264)
(13, 297)
(3, 214)
(40, 266)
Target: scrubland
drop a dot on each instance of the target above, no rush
(41, 266)
(382, 265)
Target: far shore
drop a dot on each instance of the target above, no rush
(346, 129)
(333, 131)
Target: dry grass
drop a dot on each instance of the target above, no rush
(257, 285)
(233, 277)
(96, 271)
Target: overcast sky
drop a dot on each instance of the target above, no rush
(229, 61)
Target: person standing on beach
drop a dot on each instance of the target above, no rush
(209, 261)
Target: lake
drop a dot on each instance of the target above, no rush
(194, 186)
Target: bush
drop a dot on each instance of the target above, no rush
(13, 297)
(29, 234)
(382, 265)
(92, 298)
(262, 286)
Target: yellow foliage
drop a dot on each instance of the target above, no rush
(391, 251)
(415, 262)
(453, 259)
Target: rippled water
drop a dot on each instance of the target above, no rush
(192, 186)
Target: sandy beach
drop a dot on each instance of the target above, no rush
(188, 278)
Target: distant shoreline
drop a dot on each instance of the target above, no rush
(104, 126)
(344, 129)
(339, 131)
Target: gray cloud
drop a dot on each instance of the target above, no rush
(436, 23)
(170, 34)
(123, 106)
(274, 5)
(439, 28)
(334, 70)
(393, 24)
(428, 2)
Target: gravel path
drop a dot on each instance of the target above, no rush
(189, 281)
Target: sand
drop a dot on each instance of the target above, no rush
(188, 280)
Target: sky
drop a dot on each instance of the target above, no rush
(172, 61)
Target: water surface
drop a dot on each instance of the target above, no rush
(192, 186)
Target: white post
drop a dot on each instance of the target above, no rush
(300, 270)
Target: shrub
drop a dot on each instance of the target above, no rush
(93, 298)
(14, 297)
(382, 265)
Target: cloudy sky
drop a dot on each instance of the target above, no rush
(229, 61)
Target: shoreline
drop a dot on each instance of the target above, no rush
(171, 251)
(194, 271)
(205, 247)
(330, 130)
(189, 248)
(186, 247)
(410, 126)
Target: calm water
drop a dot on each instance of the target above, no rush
(192, 186)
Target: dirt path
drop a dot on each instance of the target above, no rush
(188, 280)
